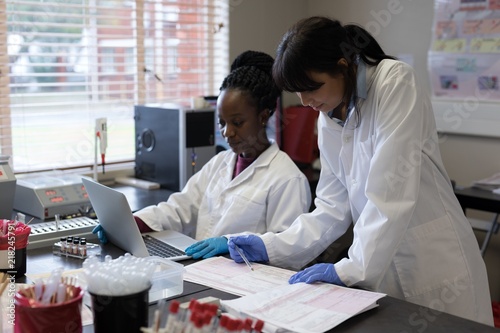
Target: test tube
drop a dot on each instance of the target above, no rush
(259, 326)
(173, 317)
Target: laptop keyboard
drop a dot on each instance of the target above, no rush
(161, 249)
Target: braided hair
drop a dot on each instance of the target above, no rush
(251, 74)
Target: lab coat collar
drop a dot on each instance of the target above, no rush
(362, 84)
(369, 77)
(364, 78)
(361, 79)
(262, 161)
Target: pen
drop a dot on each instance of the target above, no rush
(240, 252)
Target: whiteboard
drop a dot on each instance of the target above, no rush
(468, 116)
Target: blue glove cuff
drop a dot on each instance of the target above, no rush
(335, 278)
(101, 235)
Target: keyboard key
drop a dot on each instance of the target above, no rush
(158, 248)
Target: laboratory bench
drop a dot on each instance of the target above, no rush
(475, 198)
(483, 200)
(392, 315)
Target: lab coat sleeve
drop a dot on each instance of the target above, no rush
(311, 233)
(392, 182)
(180, 211)
(286, 202)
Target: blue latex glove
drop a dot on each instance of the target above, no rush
(252, 246)
(318, 272)
(99, 230)
(208, 248)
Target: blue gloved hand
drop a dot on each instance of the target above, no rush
(99, 230)
(318, 272)
(208, 248)
(252, 246)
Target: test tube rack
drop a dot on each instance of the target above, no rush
(47, 233)
(91, 249)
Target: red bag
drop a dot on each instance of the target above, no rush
(496, 314)
(10, 229)
(13, 243)
(299, 132)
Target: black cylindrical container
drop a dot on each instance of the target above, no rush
(17, 264)
(122, 314)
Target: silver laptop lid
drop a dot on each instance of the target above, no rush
(115, 216)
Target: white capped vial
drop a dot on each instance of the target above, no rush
(83, 247)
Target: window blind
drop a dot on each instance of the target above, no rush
(65, 63)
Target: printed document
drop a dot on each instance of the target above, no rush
(268, 296)
(306, 308)
(490, 184)
(237, 279)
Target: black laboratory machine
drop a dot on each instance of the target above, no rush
(172, 143)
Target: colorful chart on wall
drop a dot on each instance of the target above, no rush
(464, 57)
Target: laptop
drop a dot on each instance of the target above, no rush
(115, 216)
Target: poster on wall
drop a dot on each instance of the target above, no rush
(464, 57)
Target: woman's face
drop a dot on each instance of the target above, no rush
(328, 96)
(240, 123)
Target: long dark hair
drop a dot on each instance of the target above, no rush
(317, 44)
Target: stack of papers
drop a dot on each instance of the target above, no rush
(490, 184)
(283, 307)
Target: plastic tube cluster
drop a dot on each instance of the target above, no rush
(116, 277)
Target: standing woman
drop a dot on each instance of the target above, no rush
(381, 170)
(252, 188)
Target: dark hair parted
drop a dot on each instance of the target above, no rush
(317, 44)
(251, 73)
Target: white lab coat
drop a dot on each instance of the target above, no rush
(411, 238)
(267, 196)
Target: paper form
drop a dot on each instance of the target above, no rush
(268, 296)
(226, 275)
(491, 183)
(307, 308)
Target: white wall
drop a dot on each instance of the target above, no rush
(259, 24)
(402, 27)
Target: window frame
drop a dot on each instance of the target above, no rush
(143, 75)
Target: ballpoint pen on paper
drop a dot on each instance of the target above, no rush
(240, 252)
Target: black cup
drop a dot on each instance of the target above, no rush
(18, 268)
(127, 313)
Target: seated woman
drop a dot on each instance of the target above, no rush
(252, 188)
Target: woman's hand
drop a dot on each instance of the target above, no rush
(252, 246)
(317, 273)
(207, 248)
